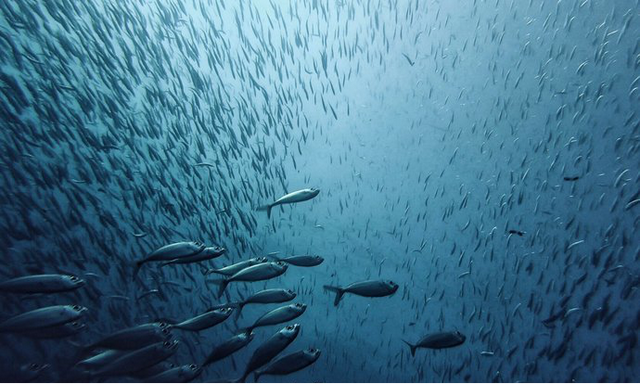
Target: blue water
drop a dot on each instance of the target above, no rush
(432, 129)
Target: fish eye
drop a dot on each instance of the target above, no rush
(76, 307)
(165, 331)
(33, 366)
(193, 367)
(167, 343)
(299, 305)
(73, 278)
(289, 291)
(289, 327)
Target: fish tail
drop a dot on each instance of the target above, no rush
(239, 309)
(223, 285)
(266, 208)
(412, 347)
(339, 292)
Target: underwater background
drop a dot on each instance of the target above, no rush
(483, 155)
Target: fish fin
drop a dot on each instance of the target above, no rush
(137, 267)
(339, 292)
(412, 347)
(223, 285)
(167, 263)
(256, 376)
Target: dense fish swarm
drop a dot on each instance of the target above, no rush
(378, 190)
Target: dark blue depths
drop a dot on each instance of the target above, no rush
(482, 155)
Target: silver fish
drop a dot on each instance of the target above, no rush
(229, 347)
(271, 348)
(49, 283)
(182, 374)
(258, 272)
(171, 252)
(290, 198)
(290, 363)
(42, 318)
(139, 359)
(279, 315)
(205, 320)
(302, 260)
(368, 288)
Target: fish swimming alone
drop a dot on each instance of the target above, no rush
(290, 198)
(438, 340)
(368, 288)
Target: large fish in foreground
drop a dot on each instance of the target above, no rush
(171, 253)
(271, 348)
(42, 318)
(290, 363)
(50, 283)
(258, 272)
(368, 288)
(438, 340)
(290, 198)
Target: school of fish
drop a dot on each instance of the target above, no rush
(320, 190)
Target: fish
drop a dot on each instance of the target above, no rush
(411, 62)
(270, 349)
(138, 359)
(258, 272)
(43, 318)
(516, 232)
(290, 363)
(302, 260)
(208, 253)
(279, 315)
(437, 341)
(291, 198)
(50, 283)
(132, 338)
(205, 320)
(181, 374)
(171, 253)
(100, 359)
(266, 296)
(368, 288)
(231, 270)
(68, 329)
(31, 371)
(228, 347)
